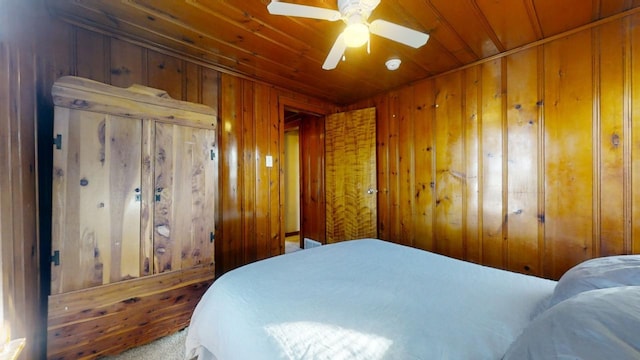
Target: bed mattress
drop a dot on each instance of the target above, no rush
(363, 299)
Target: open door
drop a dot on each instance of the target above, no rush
(312, 187)
(350, 177)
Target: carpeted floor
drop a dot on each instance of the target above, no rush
(167, 348)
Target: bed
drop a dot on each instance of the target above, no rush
(372, 299)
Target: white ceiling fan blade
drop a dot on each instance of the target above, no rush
(335, 54)
(398, 33)
(312, 12)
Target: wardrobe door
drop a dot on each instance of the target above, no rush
(184, 185)
(96, 199)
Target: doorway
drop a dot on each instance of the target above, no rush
(336, 178)
(304, 179)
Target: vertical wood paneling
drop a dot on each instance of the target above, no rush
(230, 245)
(210, 88)
(522, 165)
(275, 214)
(406, 165)
(568, 152)
(449, 165)
(393, 139)
(251, 155)
(634, 40)
(611, 139)
(20, 63)
(127, 64)
(193, 83)
(24, 200)
(263, 174)
(382, 161)
(493, 221)
(166, 73)
(472, 126)
(92, 63)
(568, 174)
(565, 115)
(423, 140)
(7, 251)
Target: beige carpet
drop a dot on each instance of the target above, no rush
(167, 348)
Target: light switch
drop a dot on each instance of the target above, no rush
(269, 160)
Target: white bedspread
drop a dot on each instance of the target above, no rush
(363, 299)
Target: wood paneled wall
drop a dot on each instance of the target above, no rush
(525, 162)
(20, 105)
(252, 223)
(35, 50)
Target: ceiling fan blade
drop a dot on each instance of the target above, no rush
(312, 12)
(369, 5)
(335, 54)
(398, 33)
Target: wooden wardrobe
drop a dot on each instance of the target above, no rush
(134, 191)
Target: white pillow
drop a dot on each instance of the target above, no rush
(596, 324)
(598, 273)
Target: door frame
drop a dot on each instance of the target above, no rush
(287, 103)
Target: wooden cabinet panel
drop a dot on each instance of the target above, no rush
(134, 195)
(96, 226)
(184, 197)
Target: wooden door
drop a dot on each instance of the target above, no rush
(184, 196)
(351, 187)
(312, 189)
(96, 202)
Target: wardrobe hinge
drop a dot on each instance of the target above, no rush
(57, 141)
(55, 258)
(213, 154)
(211, 237)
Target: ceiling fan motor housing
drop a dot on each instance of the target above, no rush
(363, 8)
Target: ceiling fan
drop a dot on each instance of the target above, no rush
(355, 14)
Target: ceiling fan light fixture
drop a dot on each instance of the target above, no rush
(356, 35)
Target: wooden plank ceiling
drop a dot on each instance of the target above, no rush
(243, 38)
